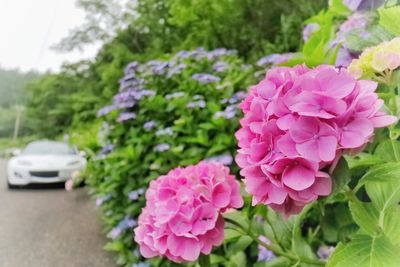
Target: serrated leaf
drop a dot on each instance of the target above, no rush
(366, 251)
(382, 173)
(240, 245)
(389, 151)
(238, 260)
(384, 194)
(363, 160)
(365, 215)
(391, 224)
(389, 18)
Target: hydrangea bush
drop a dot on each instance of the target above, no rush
(317, 151)
(167, 113)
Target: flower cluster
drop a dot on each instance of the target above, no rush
(182, 217)
(297, 122)
(378, 60)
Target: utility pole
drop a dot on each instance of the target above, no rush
(19, 110)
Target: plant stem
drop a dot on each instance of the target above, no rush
(277, 250)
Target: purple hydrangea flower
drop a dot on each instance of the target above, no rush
(115, 232)
(131, 67)
(101, 200)
(176, 69)
(165, 131)
(162, 147)
(355, 5)
(219, 52)
(183, 54)
(205, 78)
(124, 116)
(220, 66)
(134, 195)
(274, 59)
(324, 252)
(107, 149)
(356, 21)
(149, 125)
(174, 95)
(105, 110)
(228, 113)
(225, 159)
(264, 254)
(309, 29)
(344, 57)
(196, 104)
(141, 264)
(126, 223)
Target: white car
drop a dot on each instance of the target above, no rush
(44, 162)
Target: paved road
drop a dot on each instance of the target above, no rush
(49, 228)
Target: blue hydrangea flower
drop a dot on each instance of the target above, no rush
(196, 104)
(220, 66)
(162, 147)
(274, 59)
(102, 199)
(225, 159)
(105, 110)
(149, 125)
(205, 78)
(141, 264)
(324, 252)
(165, 131)
(174, 95)
(265, 254)
(124, 116)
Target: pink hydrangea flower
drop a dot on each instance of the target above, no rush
(182, 217)
(297, 123)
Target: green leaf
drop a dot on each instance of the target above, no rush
(231, 234)
(366, 251)
(389, 18)
(240, 245)
(363, 160)
(384, 194)
(340, 176)
(238, 217)
(381, 173)
(299, 245)
(204, 261)
(216, 259)
(277, 262)
(238, 260)
(389, 151)
(391, 223)
(365, 215)
(281, 228)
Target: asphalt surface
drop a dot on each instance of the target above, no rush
(42, 227)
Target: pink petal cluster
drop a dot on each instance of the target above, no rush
(182, 217)
(297, 123)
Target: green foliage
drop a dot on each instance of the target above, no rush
(389, 18)
(317, 50)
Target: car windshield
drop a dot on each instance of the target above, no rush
(51, 148)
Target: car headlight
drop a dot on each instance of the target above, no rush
(24, 162)
(75, 162)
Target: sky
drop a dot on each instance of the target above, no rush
(29, 27)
